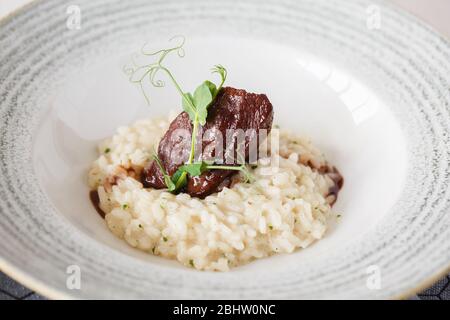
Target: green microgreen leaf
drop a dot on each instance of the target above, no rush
(212, 87)
(178, 178)
(167, 180)
(202, 99)
(194, 169)
(188, 102)
(197, 168)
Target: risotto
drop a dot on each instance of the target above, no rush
(278, 212)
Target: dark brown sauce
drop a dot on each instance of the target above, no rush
(95, 199)
(334, 175)
(338, 180)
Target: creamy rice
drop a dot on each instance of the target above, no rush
(277, 213)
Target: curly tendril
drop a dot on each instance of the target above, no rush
(139, 73)
(179, 49)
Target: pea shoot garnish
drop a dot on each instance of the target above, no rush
(195, 105)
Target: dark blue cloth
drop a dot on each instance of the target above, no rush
(10, 289)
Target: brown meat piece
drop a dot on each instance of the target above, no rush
(232, 109)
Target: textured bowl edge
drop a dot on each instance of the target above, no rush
(7, 268)
(32, 283)
(425, 284)
(411, 15)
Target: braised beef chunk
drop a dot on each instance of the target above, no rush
(233, 109)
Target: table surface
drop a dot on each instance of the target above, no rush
(434, 12)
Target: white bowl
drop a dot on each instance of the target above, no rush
(376, 101)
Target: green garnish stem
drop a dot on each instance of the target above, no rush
(177, 86)
(183, 176)
(180, 181)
